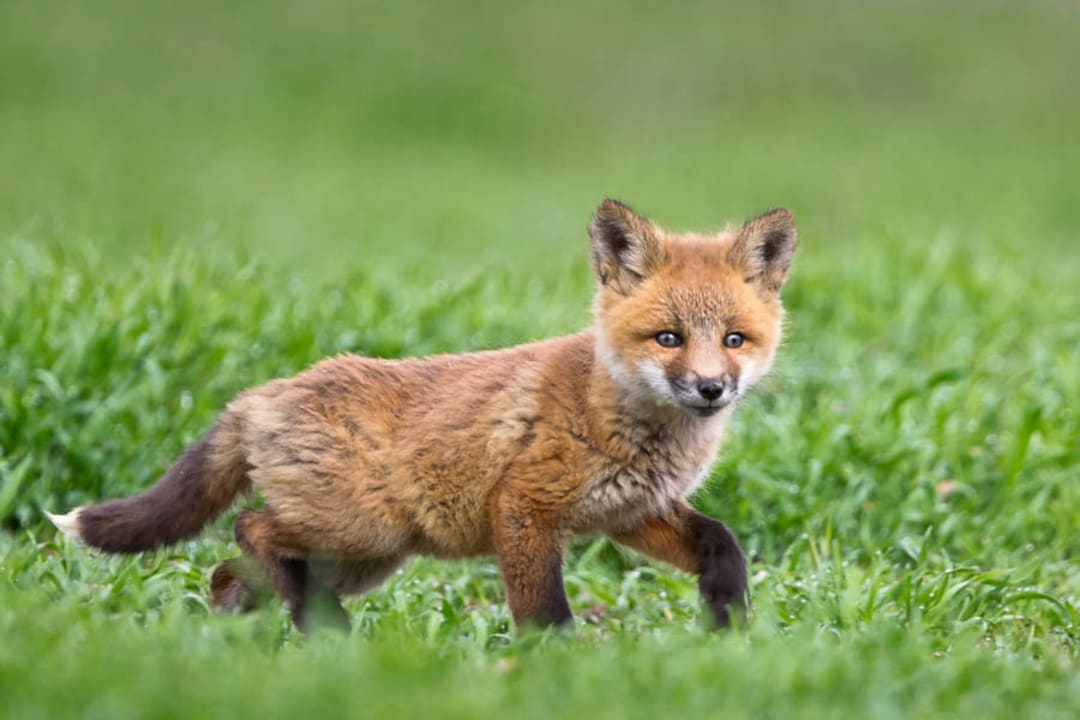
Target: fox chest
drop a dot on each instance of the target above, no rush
(624, 496)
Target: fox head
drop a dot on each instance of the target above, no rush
(687, 320)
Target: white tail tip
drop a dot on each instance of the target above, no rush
(67, 524)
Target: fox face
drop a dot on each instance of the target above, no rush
(689, 321)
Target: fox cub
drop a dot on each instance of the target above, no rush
(363, 462)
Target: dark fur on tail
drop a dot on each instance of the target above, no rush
(200, 485)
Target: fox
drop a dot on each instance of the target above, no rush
(362, 463)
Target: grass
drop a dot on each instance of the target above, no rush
(197, 198)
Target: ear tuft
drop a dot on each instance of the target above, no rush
(764, 248)
(625, 246)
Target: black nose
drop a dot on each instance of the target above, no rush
(710, 389)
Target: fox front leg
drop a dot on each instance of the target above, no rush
(697, 544)
(530, 558)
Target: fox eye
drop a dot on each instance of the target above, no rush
(668, 339)
(734, 340)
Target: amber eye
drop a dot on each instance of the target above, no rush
(668, 339)
(734, 340)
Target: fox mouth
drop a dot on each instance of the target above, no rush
(706, 410)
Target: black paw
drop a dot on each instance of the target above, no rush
(723, 570)
(724, 591)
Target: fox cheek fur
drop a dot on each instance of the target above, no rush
(363, 463)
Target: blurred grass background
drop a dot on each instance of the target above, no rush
(333, 134)
(198, 197)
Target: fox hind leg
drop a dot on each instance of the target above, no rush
(239, 585)
(311, 602)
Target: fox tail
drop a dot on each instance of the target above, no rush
(202, 483)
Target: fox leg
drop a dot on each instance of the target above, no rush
(530, 557)
(238, 584)
(697, 544)
(284, 561)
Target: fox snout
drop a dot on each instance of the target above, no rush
(705, 395)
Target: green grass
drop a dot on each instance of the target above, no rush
(200, 197)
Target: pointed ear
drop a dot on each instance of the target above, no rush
(625, 246)
(763, 248)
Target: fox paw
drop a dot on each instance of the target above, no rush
(725, 594)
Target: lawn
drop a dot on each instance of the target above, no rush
(198, 197)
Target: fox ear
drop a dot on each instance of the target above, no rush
(763, 248)
(625, 246)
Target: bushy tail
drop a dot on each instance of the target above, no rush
(202, 483)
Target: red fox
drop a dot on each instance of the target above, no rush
(364, 462)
